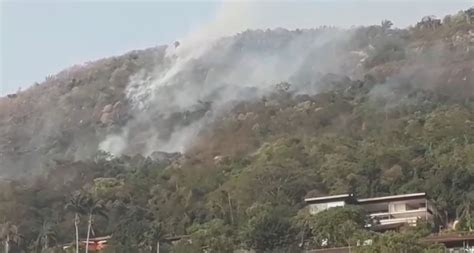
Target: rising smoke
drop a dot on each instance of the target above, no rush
(170, 94)
(212, 69)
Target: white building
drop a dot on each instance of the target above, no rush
(389, 212)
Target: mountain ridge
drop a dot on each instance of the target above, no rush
(88, 107)
(262, 119)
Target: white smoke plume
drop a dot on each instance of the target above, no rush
(211, 69)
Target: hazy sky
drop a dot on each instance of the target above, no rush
(39, 38)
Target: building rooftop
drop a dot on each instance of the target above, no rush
(352, 198)
(329, 198)
(447, 238)
(101, 238)
(393, 197)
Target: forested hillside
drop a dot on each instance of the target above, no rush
(127, 142)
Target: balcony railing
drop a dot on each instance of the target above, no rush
(421, 212)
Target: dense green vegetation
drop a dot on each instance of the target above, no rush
(242, 183)
(252, 200)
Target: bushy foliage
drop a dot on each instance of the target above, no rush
(336, 227)
(242, 183)
(392, 242)
(268, 228)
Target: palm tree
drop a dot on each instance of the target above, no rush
(137, 228)
(9, 233)
(93, 207)
(45, 235)
(77, 204)
(129, 230)
(386, 24)
(5, 235)
(153, 235)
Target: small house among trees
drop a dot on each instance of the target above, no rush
(387, 213)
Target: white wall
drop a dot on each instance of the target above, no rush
(316, 208)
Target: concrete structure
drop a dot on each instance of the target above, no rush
(388, 213)
(454, 243)
(392, 212)
(96, 244)
(331, 250)
(319, 204)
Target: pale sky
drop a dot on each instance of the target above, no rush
(39, 38)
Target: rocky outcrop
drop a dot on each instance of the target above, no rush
(110, 114)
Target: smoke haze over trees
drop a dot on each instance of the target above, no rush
(223, 137)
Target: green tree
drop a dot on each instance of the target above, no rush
(386, 24)
(395, 242)
(46, 235)
(213, 236)
(92, 207)
(335, 227)
(268, 228)
(137, 229)
(465, 212)
(78, 205)
(9, 234)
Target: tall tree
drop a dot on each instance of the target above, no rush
(92, 207)
(8, 234)
(45, 235)
(465, 211)
(77, 204)
(336, 227)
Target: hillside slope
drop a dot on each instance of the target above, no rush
(161, 98)
(222, 141)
